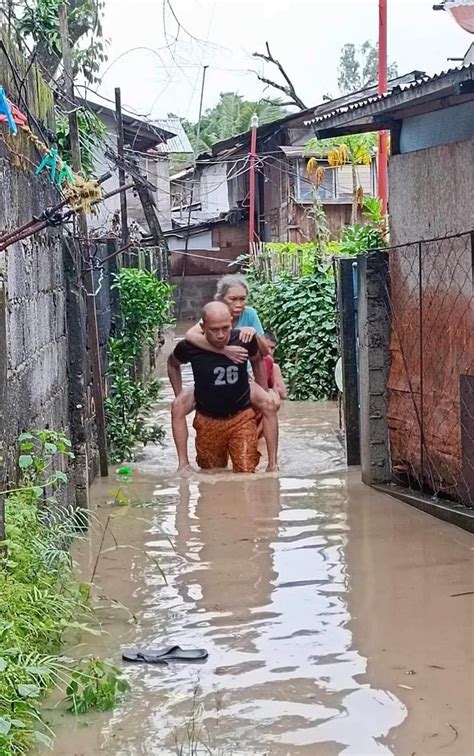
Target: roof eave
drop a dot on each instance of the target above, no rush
(381, 114)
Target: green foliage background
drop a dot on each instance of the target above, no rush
(302, 314)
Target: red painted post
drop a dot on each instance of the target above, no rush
(382, 88)
(253, 155)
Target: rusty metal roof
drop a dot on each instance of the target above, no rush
(399, 96)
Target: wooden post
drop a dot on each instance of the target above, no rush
(88, 274)
(121, 170)
(347, 329)
(3, 391)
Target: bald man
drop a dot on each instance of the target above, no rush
(225, 421)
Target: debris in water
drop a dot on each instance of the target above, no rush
(164, 655)
(125, 472)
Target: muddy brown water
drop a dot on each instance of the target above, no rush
(331, 613)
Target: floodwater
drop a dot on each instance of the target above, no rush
(337, 620)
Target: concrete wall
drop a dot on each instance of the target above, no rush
(191, 294)
(431, 192)
(432, 345)
(35, 348)
(210, 250)
(374, 362)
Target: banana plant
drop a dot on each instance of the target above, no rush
(353, 150)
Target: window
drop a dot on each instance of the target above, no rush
(336, 185)
(304, 187)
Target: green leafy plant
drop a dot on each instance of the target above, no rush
(37, 22)
(146, 307)
(361, 238)
(39, 598)
(39, 450)
(91, 133)
(96, 685)
(353, 150)
(301, 311)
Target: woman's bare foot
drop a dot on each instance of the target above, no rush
(273, 467)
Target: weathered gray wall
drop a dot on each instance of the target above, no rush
(191, 294)
(431, 192)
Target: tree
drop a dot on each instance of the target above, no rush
(36, 25)
(358, 67)
(231, 116)
(355, 150)
(288, 87)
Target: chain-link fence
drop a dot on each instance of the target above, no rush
(430, 391)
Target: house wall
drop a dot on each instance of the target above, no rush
(276, 187)
(301, 225)
(445, 126)
(432, 344)
(213, 194)
(221, 241)
(283, 217)
(430, 192)
(157, 171)
(191, 293)
(198, 241)
(155, 168)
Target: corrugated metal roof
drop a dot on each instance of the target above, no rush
(179, 143)
(139, 132)
(417, 88)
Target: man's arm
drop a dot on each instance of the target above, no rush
(262, 346)
(259, 372)
(196, 337)
(174, 374)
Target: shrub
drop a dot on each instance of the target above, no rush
(39, 598)
(302, 314)
(146, 307)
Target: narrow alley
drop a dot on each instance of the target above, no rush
(337, 620)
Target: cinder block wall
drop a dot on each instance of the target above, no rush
(191, 294)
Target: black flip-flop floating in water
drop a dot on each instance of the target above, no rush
(164, 655)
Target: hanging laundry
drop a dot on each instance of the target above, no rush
(6, 114)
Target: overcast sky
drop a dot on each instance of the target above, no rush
(306, 35)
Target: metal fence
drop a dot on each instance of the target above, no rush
(430, 391)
